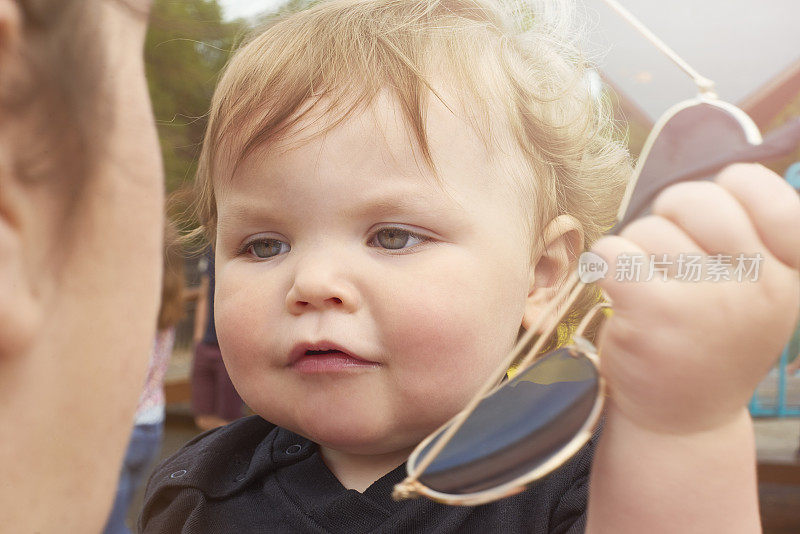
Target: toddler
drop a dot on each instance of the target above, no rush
(394, 189)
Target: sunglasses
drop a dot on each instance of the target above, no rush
(516, 431)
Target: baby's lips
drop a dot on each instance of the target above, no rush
(301, 350)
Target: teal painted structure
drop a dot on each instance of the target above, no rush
(793, 175)
(759, 407)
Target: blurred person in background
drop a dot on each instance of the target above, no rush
(148, 429)
(215, 401)
(81, 225)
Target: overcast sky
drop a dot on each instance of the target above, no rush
(740, 44)
(247, 8)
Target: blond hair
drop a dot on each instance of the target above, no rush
(522, 83)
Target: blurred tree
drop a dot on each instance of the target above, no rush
(283, 9)
(187, 45)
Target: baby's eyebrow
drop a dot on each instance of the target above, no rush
(401, 201)
(388, 205)
(244, 211)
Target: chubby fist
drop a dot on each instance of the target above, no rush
(684, 350)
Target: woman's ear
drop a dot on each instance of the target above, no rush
(554, 257)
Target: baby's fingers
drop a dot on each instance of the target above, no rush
(711, 216)
(627, 282)
(749, 209)
(773, 207)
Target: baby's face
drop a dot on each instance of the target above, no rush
(348, 242)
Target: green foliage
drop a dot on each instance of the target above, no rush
(187, 45)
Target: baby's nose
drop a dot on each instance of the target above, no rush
(322, 285)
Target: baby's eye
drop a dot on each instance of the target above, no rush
(267, 248)
(396, 238)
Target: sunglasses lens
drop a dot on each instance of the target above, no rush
(694, 144)
(519, 427)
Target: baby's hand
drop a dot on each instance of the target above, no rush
(685, 356)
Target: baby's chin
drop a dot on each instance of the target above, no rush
(352, 436)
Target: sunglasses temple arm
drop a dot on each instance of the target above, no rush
(540, 325)
(705, 85)
(589, 316)
(577, 289)
(493, 380)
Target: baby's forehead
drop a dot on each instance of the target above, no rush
(376, 141)
(369, 165)
(446, 124)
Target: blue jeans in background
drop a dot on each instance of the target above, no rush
(143, 450)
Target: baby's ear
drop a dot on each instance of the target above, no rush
(555, 256)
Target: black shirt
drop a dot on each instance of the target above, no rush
(252, 476)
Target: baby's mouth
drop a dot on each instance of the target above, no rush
(327, 351)
(324, 357)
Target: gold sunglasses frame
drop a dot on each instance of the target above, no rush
(751, 132)
(517, 485)
(416, 464)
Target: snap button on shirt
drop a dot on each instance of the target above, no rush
(294, 449)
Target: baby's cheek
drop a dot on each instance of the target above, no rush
(230, 325)
(241, 342)
(446, 348)
(238, 331)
